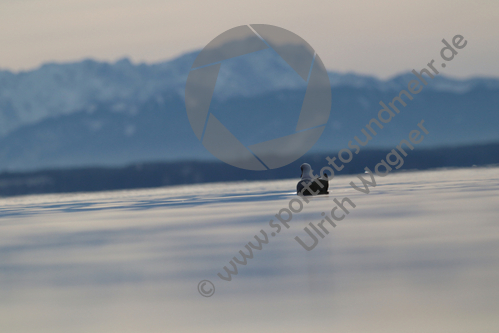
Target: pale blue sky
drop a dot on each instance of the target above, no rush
(380, 37)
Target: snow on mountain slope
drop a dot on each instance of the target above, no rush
(59, 89)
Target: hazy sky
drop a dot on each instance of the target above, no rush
(379, 37)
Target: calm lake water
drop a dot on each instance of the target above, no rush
(417, 254)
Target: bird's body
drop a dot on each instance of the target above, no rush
(310, 185)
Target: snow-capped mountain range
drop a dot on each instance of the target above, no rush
(98, 113)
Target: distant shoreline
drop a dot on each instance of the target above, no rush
(160, 174)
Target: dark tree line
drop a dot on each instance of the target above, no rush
(146, 175)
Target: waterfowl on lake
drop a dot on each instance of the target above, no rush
(310, 185)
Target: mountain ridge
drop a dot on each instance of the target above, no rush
(56, 89)
(92, 113)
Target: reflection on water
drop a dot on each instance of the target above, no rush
(417, 254)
